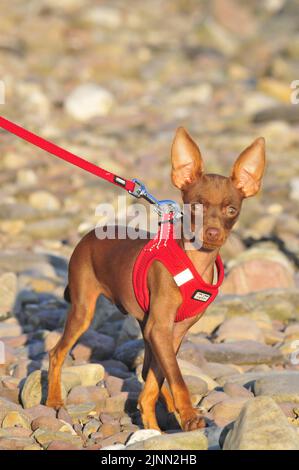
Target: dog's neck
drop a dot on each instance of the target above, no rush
(202, 260)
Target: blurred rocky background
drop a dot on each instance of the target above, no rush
(111, 81)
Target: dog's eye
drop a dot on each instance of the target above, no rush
(230, 210)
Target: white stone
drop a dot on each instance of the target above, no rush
(142, 435)
(88, 101)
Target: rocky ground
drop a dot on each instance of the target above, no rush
(111, 81)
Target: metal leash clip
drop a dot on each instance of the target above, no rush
(163, 206)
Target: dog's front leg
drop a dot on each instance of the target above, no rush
(160, 337)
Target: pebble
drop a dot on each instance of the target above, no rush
(239, 329)
(142, 435)
(15, 419)
(88, 101)
(282, 387)
(43, 200)
(89, 374)
(8, 292)
(47, 422)
(193, 440)
(35, 389)
(81, 394)
(235, 390)
(228, 410)
(262, 426)
(259, 270)
(212, 399)
(80, 413)
(239, 352)
(130, 353)
(45, 437)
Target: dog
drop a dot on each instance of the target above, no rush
(105, 267)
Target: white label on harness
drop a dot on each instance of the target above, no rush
(183, 277)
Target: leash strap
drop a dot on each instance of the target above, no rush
(69, 157)
(134, 187)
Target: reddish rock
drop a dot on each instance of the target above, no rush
(236, 390)
(15, 341)
(23, 367)
(98, 345)
(51, 340)
(18, 432)
(117, 403)
(114, 385)
(11, 395)
(106, 418)
(109, 429)
(213, 398)
(255, 275)
(64, 415)
(228, 410)
(15, 443)
(119, 438)
(82, 394)
(60, 445)
(81, 352)
(39, 410)
(46, 422)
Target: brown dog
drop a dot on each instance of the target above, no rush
(105, 267)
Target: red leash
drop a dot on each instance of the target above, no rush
(133, 187)
(59, 152)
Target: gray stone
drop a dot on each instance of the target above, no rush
(15, 443)
(15, 211)
(44, 200)
(49, 228)
(281, 386)
(82, 412)
(240, 352)
(15, 418)
(35, 389)
(193, 440)
(213, 434)
(89, 374)
(262, 426)
(142, 435)
(8, 292)
(130, 352)
(130, 330)
(45, 437)
(101, 346)
(88, 101)
(7, 406)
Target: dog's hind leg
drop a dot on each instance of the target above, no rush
(83, 300)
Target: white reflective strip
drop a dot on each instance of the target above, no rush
(183, 277)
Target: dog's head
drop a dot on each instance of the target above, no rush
(221, 197)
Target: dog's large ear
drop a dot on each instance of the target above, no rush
(187, 163)
(248, 170)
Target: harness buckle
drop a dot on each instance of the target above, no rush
(163, 206)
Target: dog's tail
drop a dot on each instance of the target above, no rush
(66, 295)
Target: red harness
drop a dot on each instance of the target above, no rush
(196, 293)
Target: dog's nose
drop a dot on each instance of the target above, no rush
(212, 233)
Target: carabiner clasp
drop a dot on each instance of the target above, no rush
(163, 206)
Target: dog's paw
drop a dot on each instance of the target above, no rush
(193, 420)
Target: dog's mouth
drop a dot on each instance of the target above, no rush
(208, 245)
